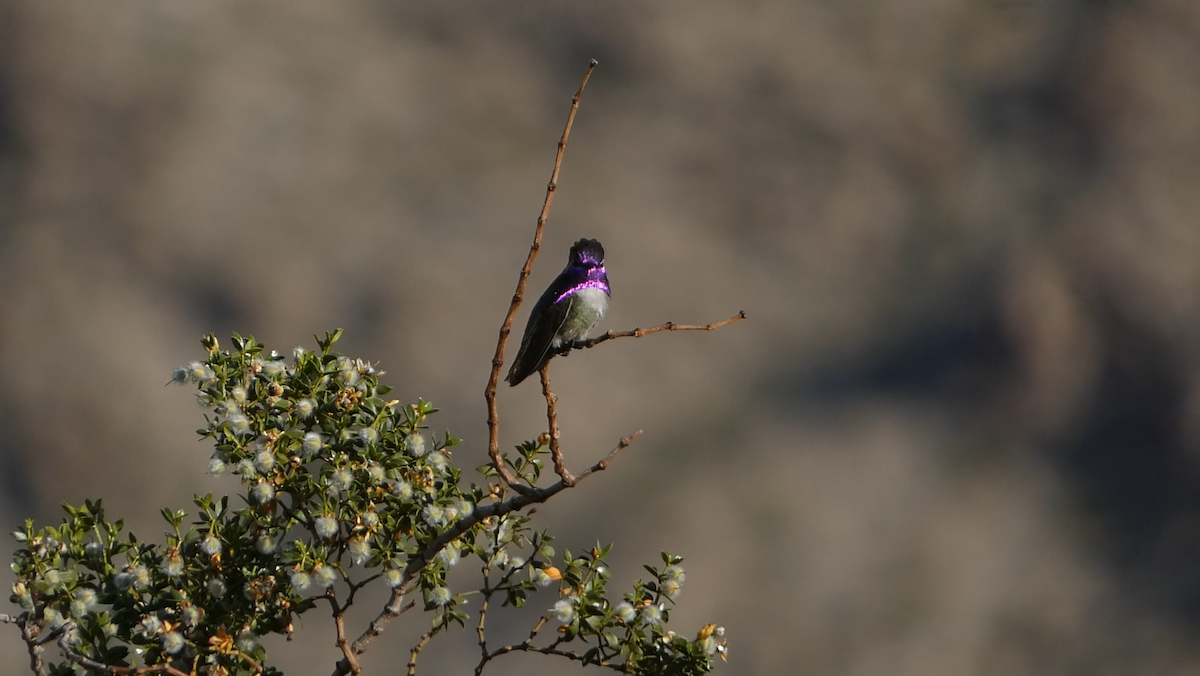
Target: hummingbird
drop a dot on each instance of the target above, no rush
(569, 309)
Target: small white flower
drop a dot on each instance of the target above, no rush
(300, 579)
(438, 596)
(415, 444)
(263, 492)
(433, 514)
(324, 576)
(326, 526)
(264, 460)
(404, 490)
(375, 473)
(394, 577)
(500, 558)
(349, 374)
(52, 618)
(273, 368)
(238, 394)
(211, 545)
(438, 462)
(671, 589)
(173, 563)
(141, 578)
(360, 550)
(675, 574)
(192, 616)
(267, 543)
(368, 435)
(172, 642)
(564, 610)
(652, 614)
(84, 601)
(370, 520)
(25, 600)
(625, 611)
(123, 580)
(215, 587)
(150, 625)
(216, 466)
(341, 479)
(195, 372)
(247, 643)
(305, 408)
(239, 424)
(246, 469)
(311, 445)
(450, 555)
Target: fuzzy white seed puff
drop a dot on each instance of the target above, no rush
(326, 526)
(564, 610)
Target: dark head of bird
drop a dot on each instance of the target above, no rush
(586, 253)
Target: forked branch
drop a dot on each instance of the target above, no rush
(518, 295)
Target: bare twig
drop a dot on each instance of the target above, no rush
(339, 623)
(416, 650)
(669, 326)
(523, 645)
(498, 359)
(603, 464)
(480, 634)
(552, 420)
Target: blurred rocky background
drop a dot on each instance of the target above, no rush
(959, 434)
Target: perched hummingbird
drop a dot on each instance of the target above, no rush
(568, 310)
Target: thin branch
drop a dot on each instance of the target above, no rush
(416, 650)
(603, 463)
(552, 420)
(480, 635)
(669, 326)
(99, 667)
(488, 657)
(487, 589)
(521, 647)
(339, 623)
(29, 633)
(498, 359)
(552, 649)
